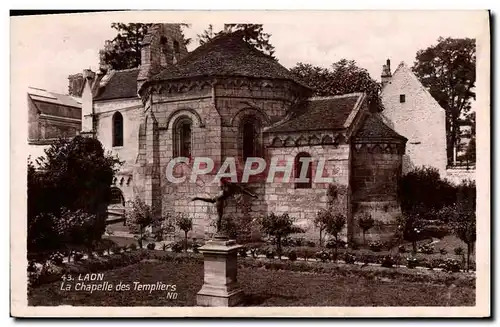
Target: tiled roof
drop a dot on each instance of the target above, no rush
(374, 128)
(226, 55)
(321, 113)
(121, 84)
(37, 94)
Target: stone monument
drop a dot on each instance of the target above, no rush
(220, 286)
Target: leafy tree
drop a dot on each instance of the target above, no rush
(410, 226)
(185, 223)
(253, 34)
(74, 174)
(279, 226)
(320, 222)
(344, 76)
(140, 217)
(124, 51)
(448, 70)
(422, 190)
(335, 224)
(365, 222)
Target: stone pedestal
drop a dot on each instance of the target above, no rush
(220, 287)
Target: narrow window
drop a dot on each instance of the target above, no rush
(176, 47)
(301, 160)
(117, 129)
(402, 98)
(182, 138)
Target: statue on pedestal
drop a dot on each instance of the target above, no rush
(228, 189)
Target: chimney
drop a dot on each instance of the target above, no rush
(75, 85)
(386, 73)
(88, 102)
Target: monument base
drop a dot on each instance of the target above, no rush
(220, 287)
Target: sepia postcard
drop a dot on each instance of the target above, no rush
(250, 164)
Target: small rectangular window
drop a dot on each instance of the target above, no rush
(402, 98)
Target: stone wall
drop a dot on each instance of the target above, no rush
(304, 204)
(457, 175)
(375, 173)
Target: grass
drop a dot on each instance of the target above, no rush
(262, 287)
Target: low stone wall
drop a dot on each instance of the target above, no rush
(457, 175)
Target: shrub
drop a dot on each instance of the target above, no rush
(458, 250)
(177, 247)
(349, 258)
(242, 252)
(57, 258)
(292, 255)
(376, 246)
(305, 252)
(254, 252)
(77, 256)
(323, 256)
(151, 246)
(411, 262)
(99, 252)
(451, 265)
(423, 188)
(133, 246)
(388, 261)
(427, 248)
(196, 248)
(279, 227)
(311, 244)
(269, 253)
(443, 251)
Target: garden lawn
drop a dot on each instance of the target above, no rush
(262, 287)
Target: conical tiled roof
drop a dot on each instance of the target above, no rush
(226, 55)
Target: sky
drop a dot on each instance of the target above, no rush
(46, 49)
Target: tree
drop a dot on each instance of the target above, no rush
(253, 34)
(448, 70)
(279, 226)
(320, 222)
(140, 217)
(335, 223)
(74, 174)
(185, 224)
(124, 51)
(366, 223)
(410, 226)
(344, 76)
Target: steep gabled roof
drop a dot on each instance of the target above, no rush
(322, 113)
(226, 55)
(404, 69)
(373, 128)
(119, 84)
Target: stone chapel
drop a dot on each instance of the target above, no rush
(227, 99)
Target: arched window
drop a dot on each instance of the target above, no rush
(182, 137)
(250, 138)
(303, 160)
(176, 47)
(117, 129)
(117, 196)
